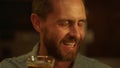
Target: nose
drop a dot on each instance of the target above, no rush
(74, 31)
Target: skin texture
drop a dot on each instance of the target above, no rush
(63, 27)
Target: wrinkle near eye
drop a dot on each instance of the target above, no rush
(64, 23)
(81, 22)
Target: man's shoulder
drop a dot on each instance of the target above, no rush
(15, 62)
(18, 62)
(86, 62)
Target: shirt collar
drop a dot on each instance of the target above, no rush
(35, 50)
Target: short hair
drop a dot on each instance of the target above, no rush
(42, 7)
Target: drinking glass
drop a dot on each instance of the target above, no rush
(40, 62)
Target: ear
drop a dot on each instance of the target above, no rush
(35, 19)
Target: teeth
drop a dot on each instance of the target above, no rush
(70, 44)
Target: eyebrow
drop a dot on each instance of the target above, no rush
(71, 20)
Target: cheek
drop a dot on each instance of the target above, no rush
(58, 34)
(55, 32)
(62, 32)
(82, 34)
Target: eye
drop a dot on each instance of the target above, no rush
(81, 23)
(64, 23)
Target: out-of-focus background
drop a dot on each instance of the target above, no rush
(17, 35)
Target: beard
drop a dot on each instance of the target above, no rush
(53, 50)
(52, 45)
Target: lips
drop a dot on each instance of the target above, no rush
(68, 47)
(69, 44)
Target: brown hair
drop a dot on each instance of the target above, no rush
(42, 7)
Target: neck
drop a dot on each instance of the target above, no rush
(62, 64)
(42, 50)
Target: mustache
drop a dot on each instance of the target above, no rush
(71, 39)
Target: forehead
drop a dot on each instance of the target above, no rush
(65, 3)
(69, 7)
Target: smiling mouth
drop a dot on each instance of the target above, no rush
(69, 44)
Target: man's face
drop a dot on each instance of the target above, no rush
(64, 28)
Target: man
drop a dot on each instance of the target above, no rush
(61, 25)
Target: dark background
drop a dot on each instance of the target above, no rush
(17, 35)
(104, 20)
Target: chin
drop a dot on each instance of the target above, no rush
(69, 56)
